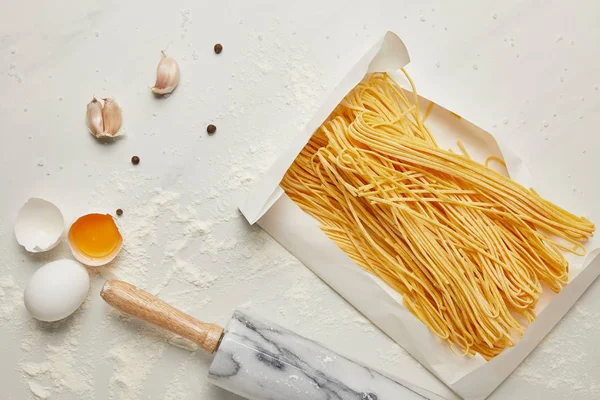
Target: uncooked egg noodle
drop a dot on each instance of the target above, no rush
(467, 247)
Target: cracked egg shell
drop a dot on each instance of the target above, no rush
(95, 239)
(39, 225)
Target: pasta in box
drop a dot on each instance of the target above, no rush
(408, 211)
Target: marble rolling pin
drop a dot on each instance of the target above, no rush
(260, 360)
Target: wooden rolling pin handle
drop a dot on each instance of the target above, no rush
(142, 305)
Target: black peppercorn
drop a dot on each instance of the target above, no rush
(135, 160)
(211, 129)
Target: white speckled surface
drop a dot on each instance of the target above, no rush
(530, 70)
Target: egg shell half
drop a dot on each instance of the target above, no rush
(56, 290)
(88, 260)
(39, 225)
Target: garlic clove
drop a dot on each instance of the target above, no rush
(93, 117)
(167, 75)
(112, 117)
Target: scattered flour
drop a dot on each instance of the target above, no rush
(193, 274)
(396, 355)
(35, 369)
(132, 265)
(565, 362)
(176, 389)
(186, 19)
(61, 371)
(197, 228)
(133, 359)
(11, 299)
(69, 373)
(32, 338)
(265, 56)
(12, 72)
(39, 391)
(183, 381)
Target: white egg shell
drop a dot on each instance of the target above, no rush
(56, 290)
(39, 226)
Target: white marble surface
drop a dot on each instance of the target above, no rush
(528, 69)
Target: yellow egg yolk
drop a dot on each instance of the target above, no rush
(95, 235)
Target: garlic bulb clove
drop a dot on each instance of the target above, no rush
(93, 117)
(112, 117)
(167, 75)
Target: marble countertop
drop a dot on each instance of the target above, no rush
(529, 69)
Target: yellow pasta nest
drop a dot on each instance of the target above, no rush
(467, 247)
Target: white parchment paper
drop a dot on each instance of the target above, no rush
(267, 205)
